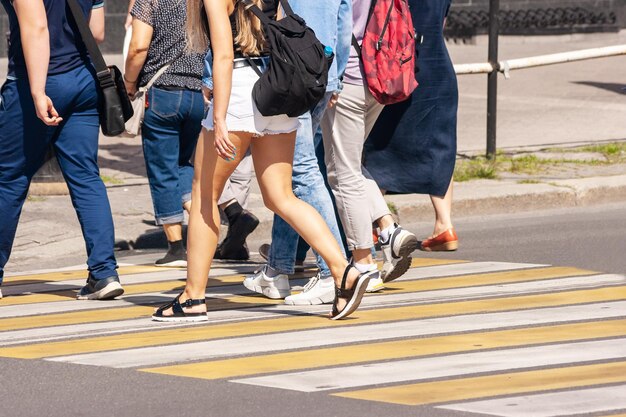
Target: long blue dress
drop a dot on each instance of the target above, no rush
(412, 148)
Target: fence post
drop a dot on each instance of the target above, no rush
(492, 77)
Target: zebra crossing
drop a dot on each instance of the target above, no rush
(498, 338)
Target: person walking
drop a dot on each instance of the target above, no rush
(50, 98)
(345, 127)
(175, 107)
(331, 21)
(236, 38)
(412, 148)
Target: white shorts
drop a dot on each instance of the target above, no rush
(242, 114)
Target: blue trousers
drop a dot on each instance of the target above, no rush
(169, 134)
(308, 185)
(24, 140)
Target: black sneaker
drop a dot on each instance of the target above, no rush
(101, 289)
(238, 254)
(173, 259)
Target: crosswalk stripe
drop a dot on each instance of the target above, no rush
(387, 298)
(100, 319)
(76, 274)
(435, 345)
(379, 315)
(492, 385)
(576, 402)
(126, 272)
(403, 286)
(250, 342)
(342, 378)
(440, 271)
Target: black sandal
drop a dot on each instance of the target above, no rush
(178, 312)
(354, 295)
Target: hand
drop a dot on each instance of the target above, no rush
(207, 93)
(224, 147)
(45, 110)
(131, 88)
(333, 100)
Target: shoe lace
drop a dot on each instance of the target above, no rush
(312, 282)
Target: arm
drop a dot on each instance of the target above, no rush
(344, 42)
(137, 54)
(96, 23)
(35, 37)
(129, 17)
(223, 56)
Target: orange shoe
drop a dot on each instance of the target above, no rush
(446, 241)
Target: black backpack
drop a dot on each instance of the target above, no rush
(296, 78)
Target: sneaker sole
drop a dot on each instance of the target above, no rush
(114, 289)
(407, 247)
(173, 264)
(193, 319)
(312, 301)
(355, 301)
(267, 292)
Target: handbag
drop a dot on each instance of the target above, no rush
(138, 102)
(115, 108)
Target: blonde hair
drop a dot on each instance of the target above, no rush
(249, 38)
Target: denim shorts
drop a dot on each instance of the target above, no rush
(242, 114)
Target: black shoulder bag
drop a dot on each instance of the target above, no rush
(296, 78)
(115, 108)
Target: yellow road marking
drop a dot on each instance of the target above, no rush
(380, 351)
(78, 274)
(142, 269)
(492, 385)
(210, 332)
(397, 286)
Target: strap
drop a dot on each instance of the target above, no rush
(88, 40)
(155, 77)
(258, 12)
(254, 66)
(356, 46)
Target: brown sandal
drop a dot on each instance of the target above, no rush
(354, 295)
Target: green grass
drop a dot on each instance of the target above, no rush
(35, 198)
(392, 207)
(475, 168)
(529, 181)
(111, 180)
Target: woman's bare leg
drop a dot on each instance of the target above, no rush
(210, 175)
(273, 159)
(443, 211)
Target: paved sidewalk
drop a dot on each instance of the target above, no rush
(563, 105)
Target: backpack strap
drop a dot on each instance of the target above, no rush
(355, 43)
(259, 13)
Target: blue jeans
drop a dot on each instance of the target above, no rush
(308, 185)
(24, 140)
(169, 133)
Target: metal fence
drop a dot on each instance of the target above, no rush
(494, 66)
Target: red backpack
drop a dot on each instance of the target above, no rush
(388, 51)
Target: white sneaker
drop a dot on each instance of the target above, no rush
(0, 294)
(275, 288)
(316, 291)
(396, 253)
(376, 283)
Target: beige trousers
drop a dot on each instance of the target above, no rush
(345, 128)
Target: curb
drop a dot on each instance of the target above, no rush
(481, 197)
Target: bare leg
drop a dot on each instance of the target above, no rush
(273, 158)
(210, 176)
(443, 211)
(173, 231)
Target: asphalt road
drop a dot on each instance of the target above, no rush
(587, 237)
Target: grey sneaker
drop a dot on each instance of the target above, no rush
(275, 288)
(101, 289)
(396, 253)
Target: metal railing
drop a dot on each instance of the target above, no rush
(494, 66)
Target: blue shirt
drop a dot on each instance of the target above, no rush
(66, 48)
